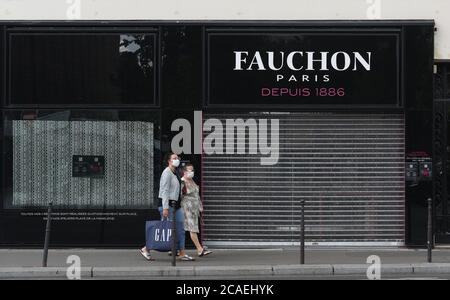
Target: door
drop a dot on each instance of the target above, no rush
(442, 177)
(442, 153)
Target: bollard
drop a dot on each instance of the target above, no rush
(174, 234)
(430, 230)
(47, 235)
(302, 233)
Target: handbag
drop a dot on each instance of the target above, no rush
(159, 235)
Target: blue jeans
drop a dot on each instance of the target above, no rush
(179, 215)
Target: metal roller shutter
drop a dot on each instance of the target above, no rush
(348, 167)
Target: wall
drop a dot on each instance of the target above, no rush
(236, 10)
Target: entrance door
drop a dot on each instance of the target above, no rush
(442, 178)
(442, 153)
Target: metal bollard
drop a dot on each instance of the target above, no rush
(47, 235)
(174, 234)
(302, 234)
(430, 230)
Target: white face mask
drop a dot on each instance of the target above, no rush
(190, 174)
(176, 163)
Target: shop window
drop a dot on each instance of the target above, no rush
(54, 68)
(41, 166)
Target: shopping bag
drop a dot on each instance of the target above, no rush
(159, 235)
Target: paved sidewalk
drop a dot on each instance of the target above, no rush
(129, 263)
(132, 258)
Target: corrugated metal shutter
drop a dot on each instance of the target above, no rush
(348, 167)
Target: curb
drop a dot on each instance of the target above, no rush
(157, 271)
(242, 270)
(40, 272)
(303, 270)
(435, 268)
(361, 269)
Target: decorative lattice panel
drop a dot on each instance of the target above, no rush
(42, 166)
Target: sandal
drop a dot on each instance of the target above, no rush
(186, 258)
(204, 253)
(146, 255)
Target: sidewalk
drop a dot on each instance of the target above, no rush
(129, 263)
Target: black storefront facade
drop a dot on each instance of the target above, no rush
(87, 111)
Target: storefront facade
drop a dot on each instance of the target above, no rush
(346, 107)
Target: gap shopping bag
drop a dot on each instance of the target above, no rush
(158, 235)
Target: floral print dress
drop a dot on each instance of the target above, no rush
(191, 204)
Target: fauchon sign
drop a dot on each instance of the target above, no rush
(303, 68)
(301, 60)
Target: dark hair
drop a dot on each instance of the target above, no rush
(167, 157)
(187, 165)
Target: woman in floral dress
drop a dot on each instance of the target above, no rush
(192, 206)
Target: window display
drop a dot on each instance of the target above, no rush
(43, 156)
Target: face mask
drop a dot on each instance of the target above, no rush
(190, 174)
(176, 163)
